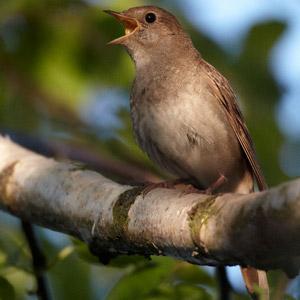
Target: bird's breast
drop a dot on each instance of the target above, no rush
(184, 130)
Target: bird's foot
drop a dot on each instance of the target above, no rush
(188, 190)
(164, 184)
(155, 185)
(192, 190)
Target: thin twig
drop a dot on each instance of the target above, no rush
(38, 262)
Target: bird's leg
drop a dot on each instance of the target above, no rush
(216, 184)
(190, 189)
(170, 184)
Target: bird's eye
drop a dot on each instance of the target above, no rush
(150, 18)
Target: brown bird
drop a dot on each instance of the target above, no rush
(184, 113)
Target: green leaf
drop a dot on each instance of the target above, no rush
(62, 254)
(82, 250)
(239, 296)
(141, 282)
(3, 258)
(7, 291)
(261, 39)
(288, 297)
(186, 291)
(193, 274)
(124, 261)
(179, 291)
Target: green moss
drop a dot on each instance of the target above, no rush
(283, 191)
(199, 215)
(119, 233)
(122, 207)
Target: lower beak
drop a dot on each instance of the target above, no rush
(131, 26)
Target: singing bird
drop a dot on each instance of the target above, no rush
(184, 113)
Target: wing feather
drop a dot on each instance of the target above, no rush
(228, 100)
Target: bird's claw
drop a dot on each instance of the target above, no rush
(191, 190)
(154, 185)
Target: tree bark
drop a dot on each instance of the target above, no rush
(260, 229)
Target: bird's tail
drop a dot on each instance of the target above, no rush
(256, 280)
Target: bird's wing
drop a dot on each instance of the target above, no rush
(225, 94)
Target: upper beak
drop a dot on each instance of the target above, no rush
(131, 25)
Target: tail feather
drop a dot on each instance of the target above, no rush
(256, 278)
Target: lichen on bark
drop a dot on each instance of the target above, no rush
(121, 219)
(198, 216)
(122, 207)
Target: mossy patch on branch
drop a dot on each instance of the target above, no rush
(198, 216)
(135, 245)
(122, 207)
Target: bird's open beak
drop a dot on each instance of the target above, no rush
(131, 25)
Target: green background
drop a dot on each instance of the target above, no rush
(55, 68)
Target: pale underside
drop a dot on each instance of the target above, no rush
(190, 136)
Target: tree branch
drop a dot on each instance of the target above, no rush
(260, 229)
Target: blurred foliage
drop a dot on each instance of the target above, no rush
(53, 64)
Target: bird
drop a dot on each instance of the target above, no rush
(185, 114)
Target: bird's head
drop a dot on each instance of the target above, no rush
(148, 28)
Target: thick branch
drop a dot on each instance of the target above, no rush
(259, 229)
